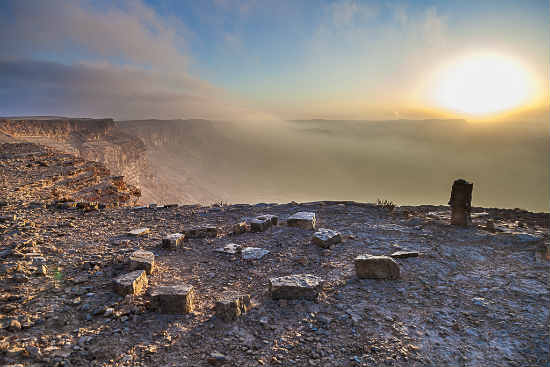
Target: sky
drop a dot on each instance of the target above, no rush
(259, 60)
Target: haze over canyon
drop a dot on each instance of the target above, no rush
(410, 162)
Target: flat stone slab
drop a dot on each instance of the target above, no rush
(376, 267)
(201, 232)
(133, 283)
(263, 222)
(404, 254)
(230, 248)
(139, 231)
(231, 306)
(299, 286)
(174, 299)
(253, 253)
(305, 220)
(325, 238)
(142, 260)
(173, 240)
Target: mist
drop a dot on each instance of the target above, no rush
(409, 162)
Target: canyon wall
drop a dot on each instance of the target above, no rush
(98, 140)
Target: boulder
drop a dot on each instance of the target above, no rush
(231, 306)
(133, 283)
(305, 220)
(263, 222)
(253, 253)
(139, 232)
(173, 240)
(325, 238)
(201, 231)
(142, 260)
(299, 286)
(376, 267)
(174, 299)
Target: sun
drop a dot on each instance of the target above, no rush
(482, 84)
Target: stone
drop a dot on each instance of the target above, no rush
(263, 222)
(526, 237)
(231, 248)
(404, 254)
(139, 232)
(201, 232)
(325, 238)
(133, 283)
(142, 260)
(376, 267)
(173, 240)
(461, 203)
(305, 220)
(7, 218)
(14, 325)
(231, 306)
(217, 359)
(298, 286)
(490, 226)
(240, 228)
(174, 299)
(253, 253)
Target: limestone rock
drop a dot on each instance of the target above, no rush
(305, 220)
(325, 238)
(217, 359)
(404, 254)
(230, 248)
(201, 232)
(299, 286)
(253, 253)
(240, 228)
(231, 306)
(263, 222)
(133, 283)
(174, 299)
(376, 267)
(139, 232)
(143, 260)
(173, 240)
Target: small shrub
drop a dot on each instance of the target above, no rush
(385, 204)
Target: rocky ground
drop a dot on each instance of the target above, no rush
(476, 296)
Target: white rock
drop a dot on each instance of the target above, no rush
(253, 253)
(231, 248)
(325, 238)
(305, 220)
(139, 231)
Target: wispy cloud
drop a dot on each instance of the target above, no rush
(125, 62)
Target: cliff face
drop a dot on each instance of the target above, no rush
(35, 173)
(98, 140)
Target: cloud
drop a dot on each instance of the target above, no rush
(39, 87)
(123, 62)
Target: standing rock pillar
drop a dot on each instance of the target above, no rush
(461, 202)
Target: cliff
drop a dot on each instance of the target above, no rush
(32, 173)
(97, 140)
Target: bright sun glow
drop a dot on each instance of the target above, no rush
(482, 84)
